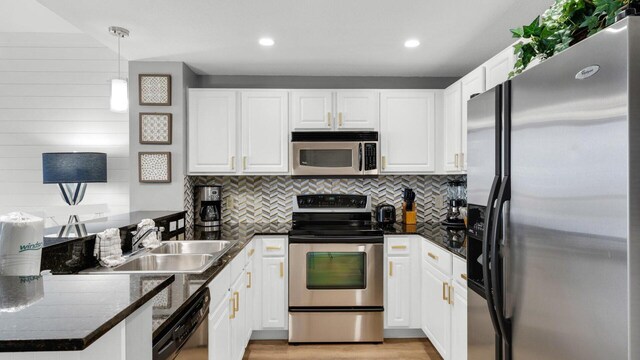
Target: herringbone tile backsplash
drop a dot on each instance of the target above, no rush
(263, 199)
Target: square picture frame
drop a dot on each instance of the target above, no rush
(154, 89)
(155, 128)
(154, 167)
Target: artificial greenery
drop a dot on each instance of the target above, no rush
(563, 24)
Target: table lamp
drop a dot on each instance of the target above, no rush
(72, 171)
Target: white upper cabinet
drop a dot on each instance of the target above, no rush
(334, 110)
(357, 109)
(311, 110)
(499, 67)
(473, 83)
(265, 132)
(452, 139)
(212, 131)
(407, 131)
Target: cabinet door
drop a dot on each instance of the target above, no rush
(498, 67)
(238, 333)
(250, 301)
(274, 305)
(407, 131)
(472, 83)
(436, 311)
(265, 132)
(211, 131)
(452, 127)
(311, 110)
(357, 110)
(459, 324)
(398, 309)
(220, 329)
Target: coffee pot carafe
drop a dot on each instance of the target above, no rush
(208, 207)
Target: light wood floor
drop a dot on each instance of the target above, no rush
(410, 349)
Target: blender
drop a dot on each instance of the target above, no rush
(456, 203)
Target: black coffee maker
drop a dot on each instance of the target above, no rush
(208, 207)
(456, 200)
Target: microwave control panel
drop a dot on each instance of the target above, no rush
(370, 156)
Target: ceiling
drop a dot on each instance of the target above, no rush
(30, 16)
(313, 37)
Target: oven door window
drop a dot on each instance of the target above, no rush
(336, 270)
(326, 158)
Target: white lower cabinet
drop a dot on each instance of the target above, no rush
(436, 311)
(274, 304)
(238, 317)
(402, 282)
(459, 323)
(220, 329)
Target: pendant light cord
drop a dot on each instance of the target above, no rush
(118, 56)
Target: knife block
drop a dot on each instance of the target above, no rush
(409, 217)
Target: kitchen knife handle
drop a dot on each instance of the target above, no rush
(329, 119)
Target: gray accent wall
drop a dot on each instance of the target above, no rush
(166, 196)
(324, 82)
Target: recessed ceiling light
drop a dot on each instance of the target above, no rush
(411, 43)
(266, 42)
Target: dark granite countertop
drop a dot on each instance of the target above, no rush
(453, 240)
(69, 312)
(120, 221)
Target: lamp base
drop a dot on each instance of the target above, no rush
(72, 193)
(73, 227)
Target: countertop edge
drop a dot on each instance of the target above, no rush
(79, 344)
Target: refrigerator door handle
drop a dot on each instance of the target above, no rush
(486, 266)
(496, 268)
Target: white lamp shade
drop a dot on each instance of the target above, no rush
(119, 95)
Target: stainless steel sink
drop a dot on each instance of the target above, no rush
(167, 263)
(194, 247)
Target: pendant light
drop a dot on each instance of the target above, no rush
(119, 91)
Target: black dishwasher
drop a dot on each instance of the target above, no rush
(188, 333)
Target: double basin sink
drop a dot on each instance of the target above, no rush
(184, 257)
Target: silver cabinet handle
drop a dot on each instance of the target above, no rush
(244, 163)
(340, 119)
(384, 162)
(455, 159)
(329, 119)
(462, 161)
(233, 163)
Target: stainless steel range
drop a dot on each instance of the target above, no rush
(335, 270)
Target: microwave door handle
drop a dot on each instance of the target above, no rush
(360, 157)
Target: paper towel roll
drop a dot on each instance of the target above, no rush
(20, 292)
(20, 244)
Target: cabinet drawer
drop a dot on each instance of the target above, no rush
(437, 256)
(219, 286)
(460, 271)
(398, 245)
(273, 246)
(237, 264)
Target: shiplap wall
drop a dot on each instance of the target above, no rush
(54, 96)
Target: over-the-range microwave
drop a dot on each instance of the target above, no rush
(334, 153)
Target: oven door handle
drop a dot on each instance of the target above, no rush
(360, 157)
(304, 239)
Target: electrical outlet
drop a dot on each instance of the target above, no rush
(230, 203)
(440, 200)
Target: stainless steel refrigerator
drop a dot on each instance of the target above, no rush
(554, 206)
